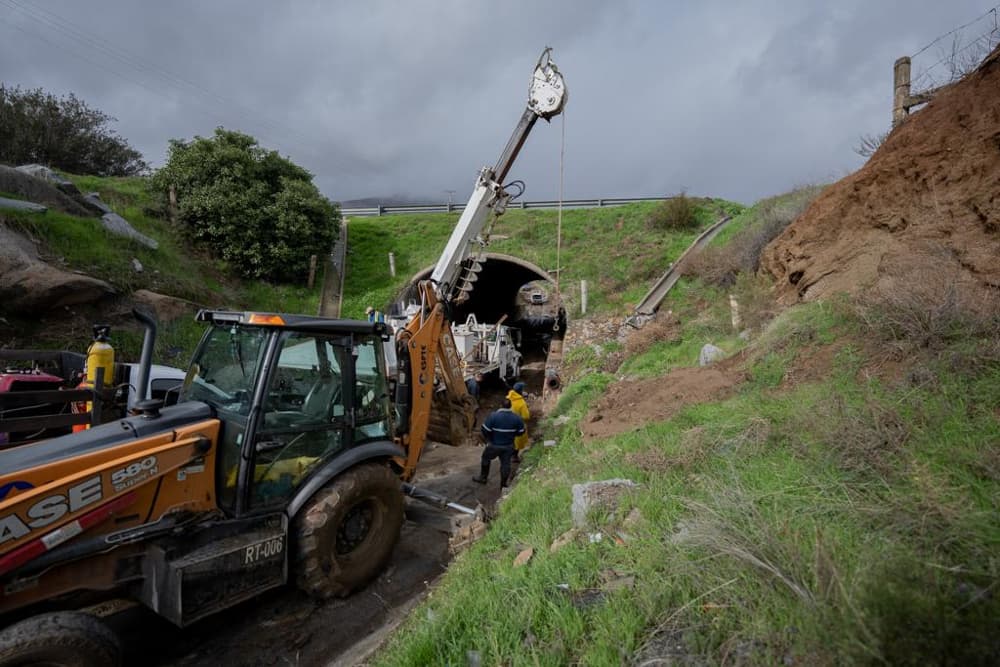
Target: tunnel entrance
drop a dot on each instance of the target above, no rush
(522, 291)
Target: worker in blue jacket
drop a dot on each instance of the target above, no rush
(500, 429)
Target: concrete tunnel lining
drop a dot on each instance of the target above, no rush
(495, 293)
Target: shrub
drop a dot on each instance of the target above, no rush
(677, 213)
(755, 300)
(719, 265)
(251, 207)
(63, 133)
(918, 310)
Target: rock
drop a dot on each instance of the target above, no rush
(116, 224)
(28, 284)
(98, 203)
(18, 205)
(597, 496)
(46, 174)
(548, 443)
(745, 335)
(710, 354)
(136, 265)
(564, 539)
(119, 226)
(44, 191)
(167, 308)
(523, 557)
(561, 420)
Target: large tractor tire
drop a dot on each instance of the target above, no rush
(60, 639)
(347, 531)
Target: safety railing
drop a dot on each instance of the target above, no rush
(458, 208)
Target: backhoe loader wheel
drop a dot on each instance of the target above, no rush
(60, 639)
(347, 531)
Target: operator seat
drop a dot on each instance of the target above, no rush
(317, 407)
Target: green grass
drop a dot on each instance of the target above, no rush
(175, 268)
(614, 249)
(853, 519)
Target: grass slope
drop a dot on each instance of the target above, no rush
(842, 507)
(615, 249)
(175, 268)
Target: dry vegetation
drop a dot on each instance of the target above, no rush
(719, 265)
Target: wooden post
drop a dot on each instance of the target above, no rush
(583, 297)
(392, 264)
(312, 271)
(172, 204)
(734, 312)
(900, 90)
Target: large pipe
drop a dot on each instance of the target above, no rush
(146, 358)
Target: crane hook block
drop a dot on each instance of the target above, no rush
(547, 92)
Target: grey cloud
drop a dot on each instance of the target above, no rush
(388, 97)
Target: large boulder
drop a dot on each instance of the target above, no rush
(27, 284)
(42, 191)
(118, 225)
(167, 308)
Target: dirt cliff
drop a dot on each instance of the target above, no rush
(929, 197)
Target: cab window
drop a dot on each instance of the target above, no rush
(371, 403)
(303, 424)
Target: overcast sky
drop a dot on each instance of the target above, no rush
(377, 98)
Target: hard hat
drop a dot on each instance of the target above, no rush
(369, 309)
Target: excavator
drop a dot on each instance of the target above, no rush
(284, 458)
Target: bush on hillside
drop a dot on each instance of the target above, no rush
(62, 133)
(678, 213)
(256, 210)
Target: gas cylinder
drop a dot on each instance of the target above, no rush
(100, 355)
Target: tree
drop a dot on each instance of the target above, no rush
(251, 207)
(64, 133)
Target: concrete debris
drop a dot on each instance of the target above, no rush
(595, 538)
(136, 265)
(600, 496)
(548, 443)
(465, 531)
(116, 224)
(710, 354)
(561, 420)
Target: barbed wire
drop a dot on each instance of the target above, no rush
(986, 41)
(993, 11)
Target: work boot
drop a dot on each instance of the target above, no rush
(484, 472)
(503, 481)
(517, 457)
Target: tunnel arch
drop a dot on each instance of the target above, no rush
(497, 292)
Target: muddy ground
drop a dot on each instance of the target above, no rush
(285, 627)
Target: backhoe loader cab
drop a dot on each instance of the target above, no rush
(276, 463)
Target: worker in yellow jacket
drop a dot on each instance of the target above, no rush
(520, 407)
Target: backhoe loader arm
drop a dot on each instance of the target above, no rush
(427, 349)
